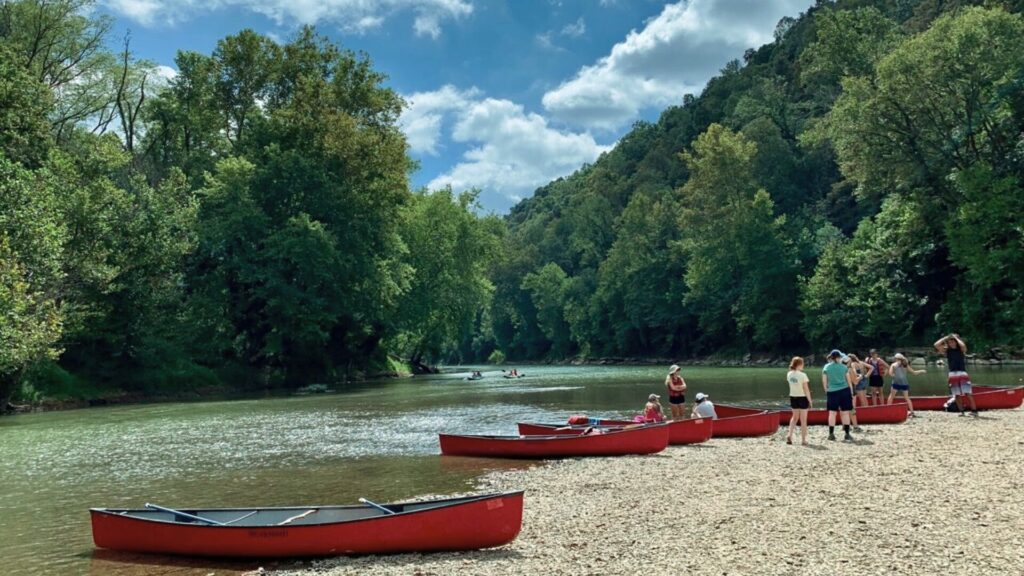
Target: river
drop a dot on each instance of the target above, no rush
(376, 440)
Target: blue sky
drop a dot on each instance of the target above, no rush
(504, 95)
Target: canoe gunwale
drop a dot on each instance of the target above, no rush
(441, 503)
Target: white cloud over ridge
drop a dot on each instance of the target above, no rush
(511, 151)
(675, 53)
(350, 15)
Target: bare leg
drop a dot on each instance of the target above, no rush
(803, 427)
(910, 405)
(832, 418)
(845, 416)
(960, 403)
(892, 396)
(974, 407)
(792, 423)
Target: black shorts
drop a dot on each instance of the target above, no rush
(876, 381)
(799, 402)
(840, 400)
(681, 399)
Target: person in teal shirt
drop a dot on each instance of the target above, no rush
(835, 381)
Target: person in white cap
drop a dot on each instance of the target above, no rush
(676, 392)
(652, 410)
(704, 408)
(898, 370)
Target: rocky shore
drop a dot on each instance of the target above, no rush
(940, 494)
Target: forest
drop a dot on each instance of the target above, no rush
(250, 222)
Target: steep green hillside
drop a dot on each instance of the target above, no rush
(859, 181)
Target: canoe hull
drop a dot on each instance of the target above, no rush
(985, 397)
(464, 524)
(736, 422)
(680, 432)
(642, 440)
(887, 414)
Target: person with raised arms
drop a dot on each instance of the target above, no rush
(839, 394)
(960, 387)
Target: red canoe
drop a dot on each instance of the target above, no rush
(640, 440)
(680, 432)
(985, 397)
(466, 523)
(736, 422)
(885, 414)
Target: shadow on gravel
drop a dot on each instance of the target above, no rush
(816, 447)
(862, 443)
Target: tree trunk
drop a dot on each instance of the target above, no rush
(8, 384)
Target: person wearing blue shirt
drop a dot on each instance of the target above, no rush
(839, 393)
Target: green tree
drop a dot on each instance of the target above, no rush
(31, 244)
(449, 255)
(740, 271)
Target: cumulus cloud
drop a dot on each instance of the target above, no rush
(351, 15)
(425, 111)
(675, 53)
(510, 151)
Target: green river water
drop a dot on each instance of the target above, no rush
(377, 440)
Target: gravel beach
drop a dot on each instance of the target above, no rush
(940, 494)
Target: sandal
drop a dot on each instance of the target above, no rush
(789, 440)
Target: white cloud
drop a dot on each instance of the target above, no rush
(351, 15)
(575, 29)
(421, 120)
(511, 151)
(675, 53)
(166, 73)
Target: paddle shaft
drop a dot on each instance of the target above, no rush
(377, 506)
(183, 514)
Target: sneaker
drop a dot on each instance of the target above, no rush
(858, 429)
(962, 414)
(911, 415)
(975, 413)
(848, 438)
(789, 440)
(832, 437)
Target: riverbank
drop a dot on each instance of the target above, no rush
(917, 354)
(939, 494)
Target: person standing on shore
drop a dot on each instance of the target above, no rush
(799, 398)
(676, 392)
(898, 370)
(956, 359)
(838, 393)
(876, 381)
(857, 375)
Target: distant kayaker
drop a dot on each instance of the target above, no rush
(799, 398)
(703, 408)
(876, 381)
(839, 394)
(955, 349)
(676, 392)
(652, 410)
(898, 370)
